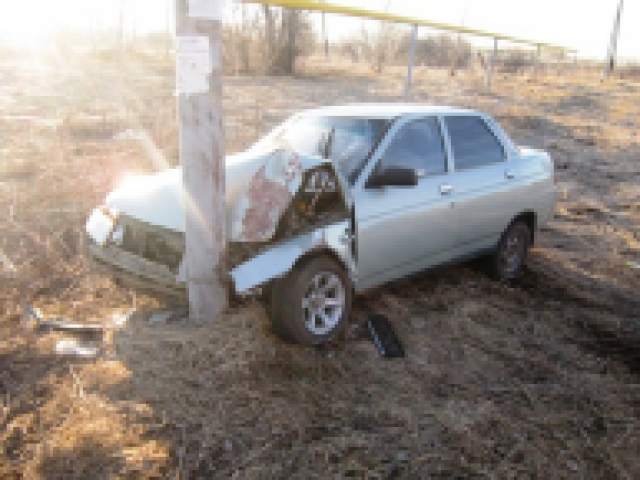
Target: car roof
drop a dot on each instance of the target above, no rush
(385, 110)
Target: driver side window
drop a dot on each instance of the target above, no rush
(417, 145)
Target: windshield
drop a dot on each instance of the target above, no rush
(347, 141)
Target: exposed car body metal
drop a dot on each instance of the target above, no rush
(279, 259)
(396, 231)
(253, 213)
(135, 271)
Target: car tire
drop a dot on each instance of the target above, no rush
(507, 261)
(311, 305)
(272, 303)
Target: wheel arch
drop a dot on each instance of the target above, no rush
(279, 261)
(529, 217)
(325, 251)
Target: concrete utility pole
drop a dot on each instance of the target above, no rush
(613, 44)
(198, 58)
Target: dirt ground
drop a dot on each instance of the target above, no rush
(537, 378)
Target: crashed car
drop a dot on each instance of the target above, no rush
(338, 200)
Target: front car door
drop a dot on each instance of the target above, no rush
(400, 230)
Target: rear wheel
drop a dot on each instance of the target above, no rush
(311, 305)
(509, 258)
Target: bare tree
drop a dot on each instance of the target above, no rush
(380, 49)
(269, 39)
(270, 34)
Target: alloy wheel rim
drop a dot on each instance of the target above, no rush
(323, 302)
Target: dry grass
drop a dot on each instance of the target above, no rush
(534, 379)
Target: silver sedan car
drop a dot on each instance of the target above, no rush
(338, 200)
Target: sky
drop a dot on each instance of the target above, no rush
(584, 25)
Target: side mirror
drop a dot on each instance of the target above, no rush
(394, 177)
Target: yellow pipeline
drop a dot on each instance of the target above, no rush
(391, 17)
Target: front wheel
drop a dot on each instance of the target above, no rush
(311, 305)
(509, 258)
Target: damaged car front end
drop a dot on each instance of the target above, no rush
(137, 254)
(287, 199)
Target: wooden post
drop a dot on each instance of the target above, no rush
(412, 53)
(202, 155)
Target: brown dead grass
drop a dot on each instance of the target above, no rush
(534, 379)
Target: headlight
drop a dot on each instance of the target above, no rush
(110, 212)
(99, 226)
(117, 234)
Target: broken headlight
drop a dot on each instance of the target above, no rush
(117, 234)
(100, 224)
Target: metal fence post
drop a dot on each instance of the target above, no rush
(613, 45)
(493, 61)
(412, 53)
(536, 62)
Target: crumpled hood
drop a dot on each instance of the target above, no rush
(260, 184)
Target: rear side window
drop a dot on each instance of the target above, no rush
(418, 145)
(473, 144)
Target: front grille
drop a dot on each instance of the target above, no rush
(156, 244)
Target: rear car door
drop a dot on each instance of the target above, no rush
(400, 230)
(482, 182)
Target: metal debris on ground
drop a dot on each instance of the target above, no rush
(31, 314)
(384, 336)
(163, 317)
(70, 347)
(120, 319)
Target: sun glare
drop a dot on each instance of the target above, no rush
(20, 28)
(32, 23)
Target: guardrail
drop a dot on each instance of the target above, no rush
(392, 17)
(313, 5)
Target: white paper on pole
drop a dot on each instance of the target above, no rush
(194, 64)
(207, 9)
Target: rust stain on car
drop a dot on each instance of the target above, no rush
(268, 195)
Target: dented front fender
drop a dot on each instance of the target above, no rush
(278, 260)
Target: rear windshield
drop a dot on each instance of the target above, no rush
(347, 141)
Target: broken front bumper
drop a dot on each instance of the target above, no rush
(136, 272)
(147, 258)
(118, 245)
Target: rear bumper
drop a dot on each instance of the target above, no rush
(136, 272)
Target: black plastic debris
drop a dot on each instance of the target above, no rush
(384, 336)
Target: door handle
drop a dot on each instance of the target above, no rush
(509, 175)
(446, 189)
